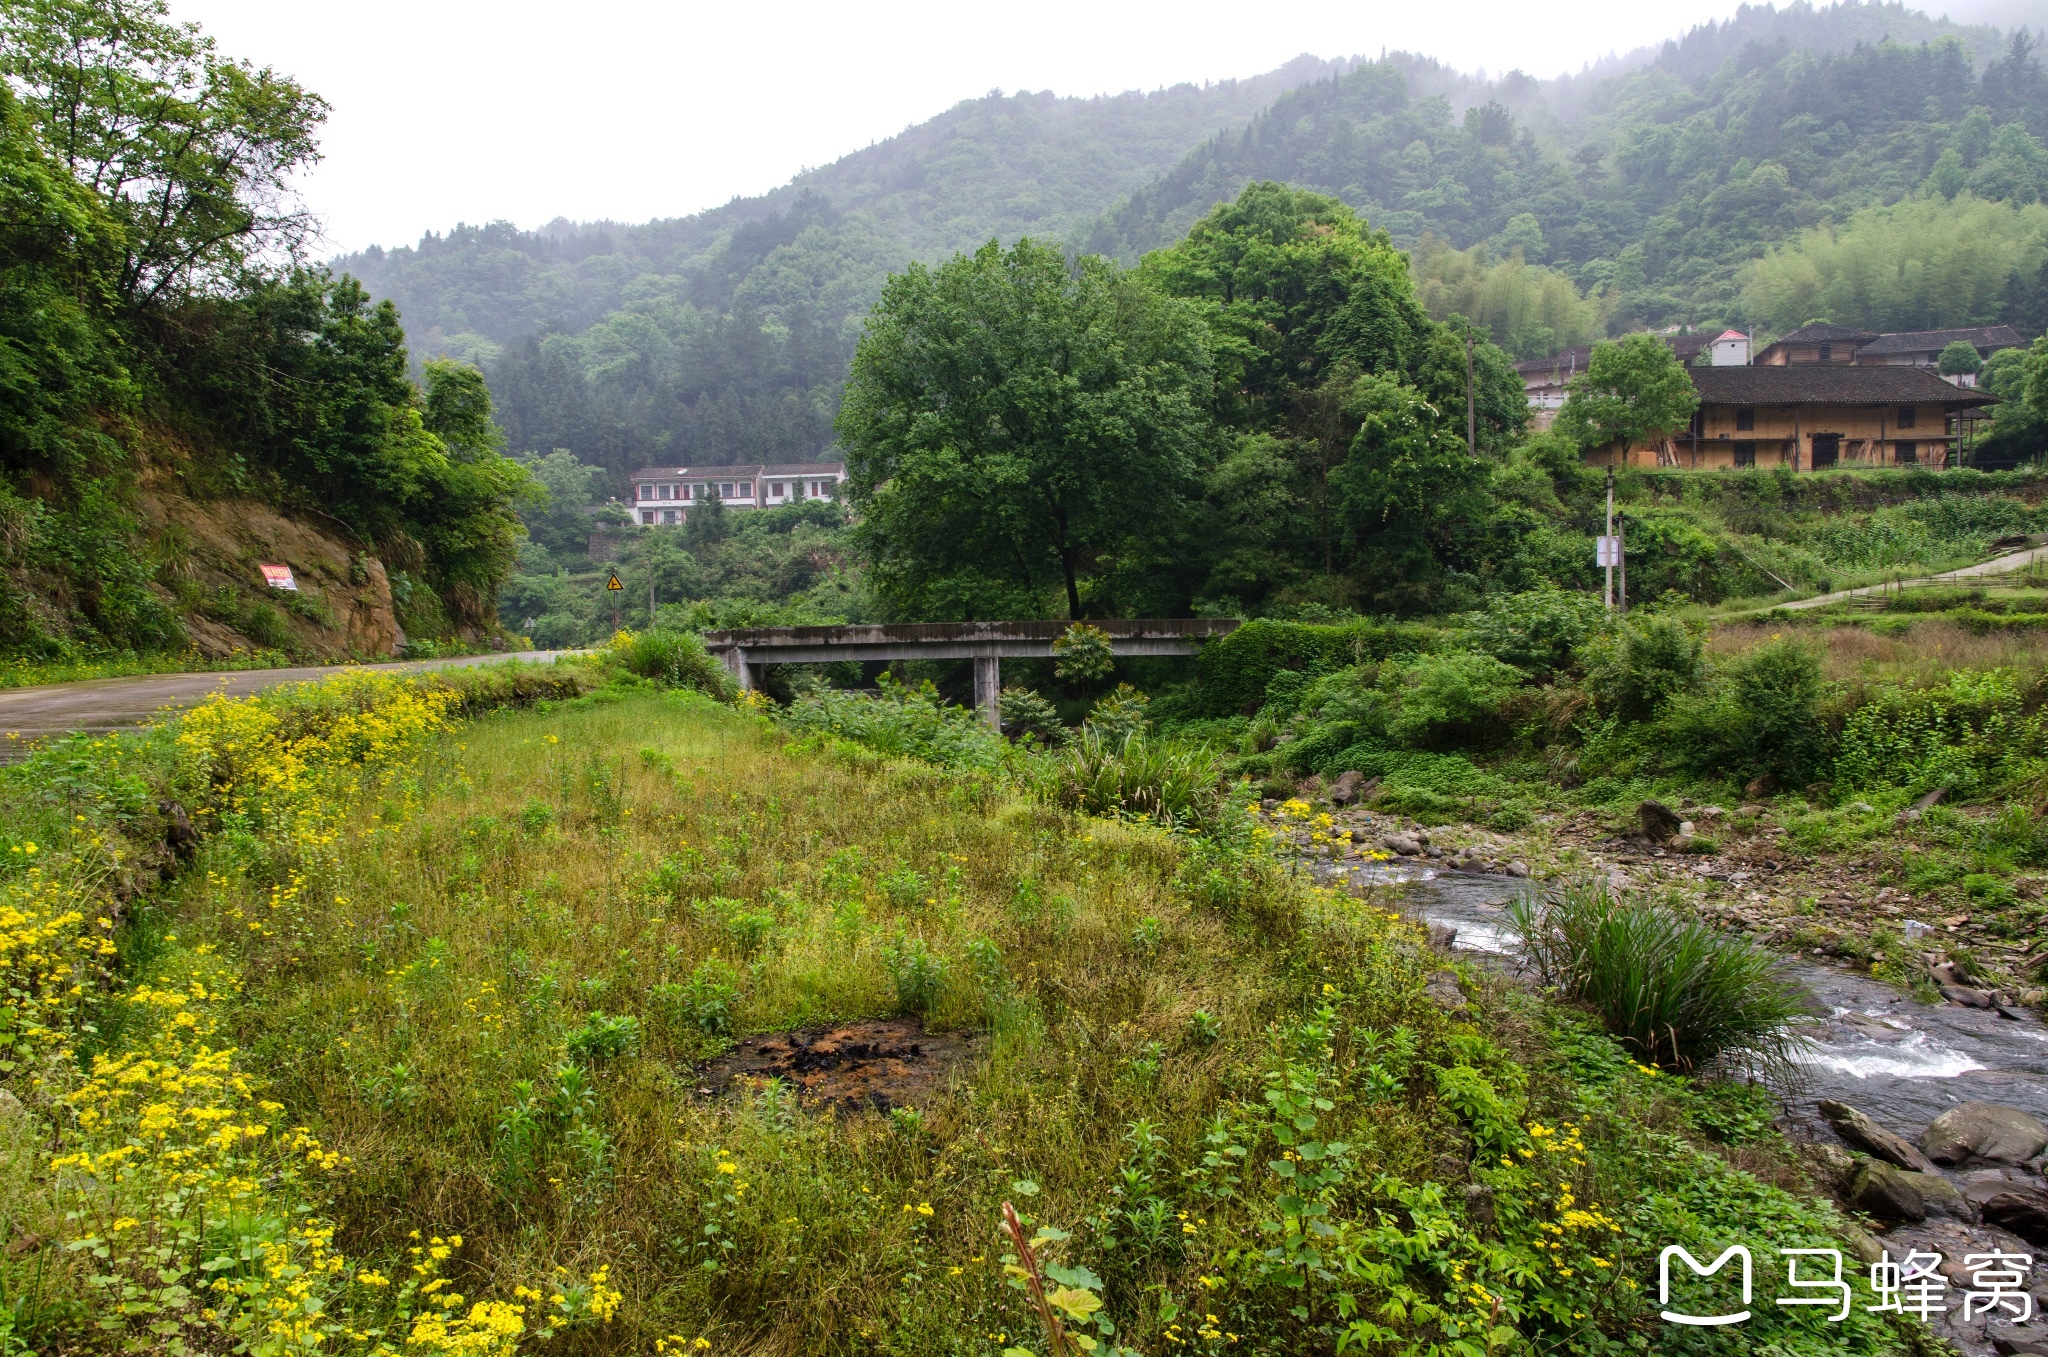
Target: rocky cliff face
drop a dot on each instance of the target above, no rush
(211, 552)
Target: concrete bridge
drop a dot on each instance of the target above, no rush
(745, 651)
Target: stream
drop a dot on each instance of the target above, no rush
(1901, 1061)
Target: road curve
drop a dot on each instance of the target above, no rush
(99, 705)
(1997, 565)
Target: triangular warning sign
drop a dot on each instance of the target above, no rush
(613, 583)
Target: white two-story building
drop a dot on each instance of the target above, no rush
(667, 494)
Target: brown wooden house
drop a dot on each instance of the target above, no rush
(1808, 416)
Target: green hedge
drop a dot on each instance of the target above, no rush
(1848, 488)
(1233, 670)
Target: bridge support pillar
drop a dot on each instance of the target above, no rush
(736, 664)
(988, 690)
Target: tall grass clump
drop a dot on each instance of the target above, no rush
(1172, 782)
(1677, 992)
(903, 721)
(676, 658)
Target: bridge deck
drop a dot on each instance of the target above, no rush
(988, 644)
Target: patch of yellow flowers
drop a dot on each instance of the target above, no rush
(193, 1209)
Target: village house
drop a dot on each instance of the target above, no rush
(1809, 415)
(1547, 381)
(665, 495)
(1823, 343)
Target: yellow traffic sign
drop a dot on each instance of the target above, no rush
(614, 583)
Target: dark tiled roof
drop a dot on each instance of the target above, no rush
(1829, 384)
(1571, 360)
(745, 471)
(1820, 332)
(1917, 341)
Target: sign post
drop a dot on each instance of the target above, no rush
(615, 588)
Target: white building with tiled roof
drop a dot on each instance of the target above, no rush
(665, 495)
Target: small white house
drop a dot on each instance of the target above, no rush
(665, 495)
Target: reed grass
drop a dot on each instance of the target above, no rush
(1679, 993)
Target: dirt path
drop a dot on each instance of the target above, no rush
(1997, 565)
(98, 705)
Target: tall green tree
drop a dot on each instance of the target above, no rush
(193, 153)
(1630, 391)
(1018, 430)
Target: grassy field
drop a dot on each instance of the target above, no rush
(478, 964)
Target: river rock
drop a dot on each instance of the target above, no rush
(1657, 821)
(2004, 1135)
(1444, 990)
(2023, 1210)
(1888, 1193)
(1517, 868)
(1403, 845)
(1345, 790)
(1856, 1128)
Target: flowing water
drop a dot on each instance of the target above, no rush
(1902, 1061)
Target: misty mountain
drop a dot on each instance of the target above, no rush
(1647, 180)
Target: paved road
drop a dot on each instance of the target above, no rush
(99, 705)
(1997, 565)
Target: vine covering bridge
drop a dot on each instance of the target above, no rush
(746, 651)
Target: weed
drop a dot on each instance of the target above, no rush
(1678, 992)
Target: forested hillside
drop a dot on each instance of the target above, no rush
(724, 337)
(1550, 212)
(180, 398)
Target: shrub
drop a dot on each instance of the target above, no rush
(1083, 654)
(1536, 631)
(1025, 714)
(1449, 699)
(902, 721)
(907, 890)
(1165, 780)
(1233, 671)
(1949, 736)
(1633, 668)
(1764, 717)
(1120, 716)
(676, 658)
(918, 972)
(707, 999)
(601, 1038)
(1677, 992)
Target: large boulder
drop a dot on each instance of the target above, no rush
(1658, 822)
(1346, 789)
(2023, 1210)
(1888, 1193)
(1403, 845)
(1856, 1128)
(2002, 1135)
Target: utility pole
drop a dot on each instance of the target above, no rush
(1621, 565)
(1607, 591)
(1471, 411)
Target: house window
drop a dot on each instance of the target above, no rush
(665, 492)
(1908, 416)
(725, 489)
(647, 492)
(1745, 454)
(1745, 420)
(647, 515)
(746, 489)
(1827, 353)
(668, 515)
(1909, 453)
(775, 490)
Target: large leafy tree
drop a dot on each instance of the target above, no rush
(1020, 430)
(191, 152)
(1631, 391)
(1308, 301)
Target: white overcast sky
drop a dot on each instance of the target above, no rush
(449, 111)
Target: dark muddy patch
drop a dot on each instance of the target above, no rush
(879, 1063)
